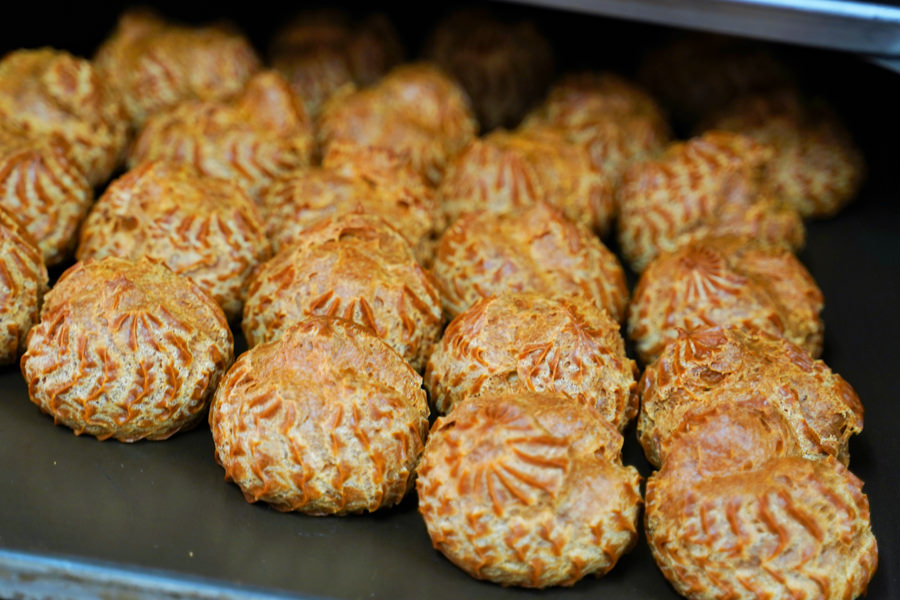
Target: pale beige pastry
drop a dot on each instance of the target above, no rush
(203, 228)
(709, 185)
(737, 511)
(706, 367)
(817, 167)
(725, 281)
(528, 489)
(507, 171)
(126, 350)
(47, 91)
(44, 189)
(249, 139)
(416, 109)
(327, 419)
(503, 66)
(372, 180)
(154, 65)
(354, 266)
(23, 282)
(535, 249)
(527, 342)
(615, 119)
(320, 50)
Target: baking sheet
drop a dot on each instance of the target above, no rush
(86, 519)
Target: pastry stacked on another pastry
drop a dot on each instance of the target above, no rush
(710, 185)
(126, 350)
(22, 286)
(322, 50)
(44, 188)
(817, 168)
(533, 250)
(528, 489)
(507, 171)
(738, 510)
(327, 419)
(415, 109)
(50, 92)
(154, 65)
(354, 266)
(504, 67)
(249, 139)
(526, 342)
(203, 228)
(725, 281)
(372, 180)
(617, 121)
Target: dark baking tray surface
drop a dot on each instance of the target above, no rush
(86, 519)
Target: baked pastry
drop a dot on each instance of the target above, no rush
(616, 120)
(126, 350)
(738, 512)
(504, 67)
(415, 109)
(23, 282)
(706, 367)
(709, 185)
(506, 171)
(371, 180)
(817, 168)
(354, 266)
(44, 189)
(321, 50)
(49, 91)
(154, 65)
(528, 489)
(533, 250)
(725, 281)
(526, 342)
(249, 139)
(204, 228)
(349, 443)
(694, 75)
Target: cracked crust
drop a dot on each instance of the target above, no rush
(126, 350)
(347, 444)
(528, 489)
(526, 342)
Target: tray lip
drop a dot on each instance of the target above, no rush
(23, 574)
(846, 25)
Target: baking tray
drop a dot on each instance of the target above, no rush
(86, 519)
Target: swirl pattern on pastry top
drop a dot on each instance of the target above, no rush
(154, 65)
(526, 342)
(617, 121)
(250, 139)
(708, 185)
(528, 489)
(533, 250)
(505, 171)
(706, 367)
(737, 512)
(23, 282)
(354, 266)
(51, 92)
(817, 168)
(45, 189)
(204, 228)
(725, 281)
(371, 180)
(126, 350)
(415, 109)
(347, 444)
